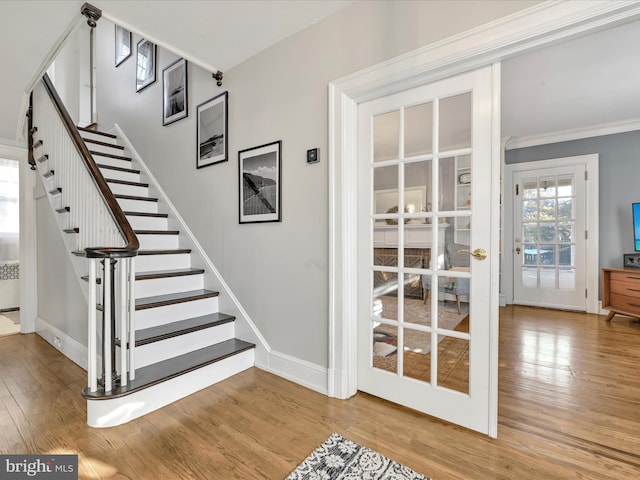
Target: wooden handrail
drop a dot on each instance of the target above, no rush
(129, 236)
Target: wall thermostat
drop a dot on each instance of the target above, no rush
(313, 155)
(632, 260)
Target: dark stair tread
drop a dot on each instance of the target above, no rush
(156, 274)
(173, 298)
(182, 327)
(63, 210)
(126, 182)
(134, 197)
(71, 230)
(110, 155)
(43, 158)
(147, 214)
(174, 367)
(119, 169)
(157, 232)
(48, 174)
(55, 191)
(97, 132)
(164, 252)
(181, 272)
(37, 144)
(103, 144)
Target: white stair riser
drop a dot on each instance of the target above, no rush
(163, 262)
(164, 286)
(139, 222)
(112, 162)
(137, 206)
(119, 189)
(152, 317)
(112, 412)
(100, 138)
(172, 347)
(94, 147)
(119, 175)
(158, 242)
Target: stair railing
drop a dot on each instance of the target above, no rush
(103, 233)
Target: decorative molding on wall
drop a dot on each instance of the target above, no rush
(69, 346)
(574, 134)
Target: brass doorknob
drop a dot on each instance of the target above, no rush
(479, 253)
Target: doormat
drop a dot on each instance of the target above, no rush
(341, 459)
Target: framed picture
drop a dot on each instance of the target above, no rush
(212, 131)
(123, 44)
(145, 65)
(260, 183)
(174, 92)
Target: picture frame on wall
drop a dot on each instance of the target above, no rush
(145, 64)
(122, 45)
(174, 92)
(212, 145)
(260, 183)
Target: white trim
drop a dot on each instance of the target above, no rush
(299, 371)
(245, 328)
(592, 193)
(69, 347)
(574, 134)
(530, 28)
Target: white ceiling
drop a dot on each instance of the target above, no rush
(584, 82)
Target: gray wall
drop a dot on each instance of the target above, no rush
(278, 271)
(619, 165)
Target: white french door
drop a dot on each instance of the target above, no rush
(549, 254)
(425, 305)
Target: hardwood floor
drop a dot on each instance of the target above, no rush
(569, 408)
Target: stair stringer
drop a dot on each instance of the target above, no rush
(70, 241)
(244, 327)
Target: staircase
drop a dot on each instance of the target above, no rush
(181, 341)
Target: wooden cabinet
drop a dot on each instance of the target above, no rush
(621, 291)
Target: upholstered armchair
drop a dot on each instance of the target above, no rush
(450, 260)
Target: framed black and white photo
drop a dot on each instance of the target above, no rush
(174, 92)
(260, 185)
(145, 65)
(123, 44)
(212, 131)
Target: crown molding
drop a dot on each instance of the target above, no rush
(574, 134)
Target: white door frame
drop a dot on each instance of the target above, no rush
(592, 221)
(540, 25)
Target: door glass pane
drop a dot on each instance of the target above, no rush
(385, 181)
(453, 363)
(547, 277)
(418, 129)
(567, 278)
(547, 231)
(530, 232)
(547, 254)
(386, 136)
(565, 208)
(530, 256)
(547, 186)
(565, 186)
(529, 210)
(547, 209)
(417, 354)
(530, 188)
(530, 277)
(446, 179)
(385, 295)
(417, 183)
(455, 122)
(385, 346)
(384, 257)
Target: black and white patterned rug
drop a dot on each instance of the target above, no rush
(341, 459)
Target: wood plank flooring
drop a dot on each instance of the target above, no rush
(569, 409)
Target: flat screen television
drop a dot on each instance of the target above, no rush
(636, 226)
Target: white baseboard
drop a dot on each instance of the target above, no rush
(69, 346)
(298, 371)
